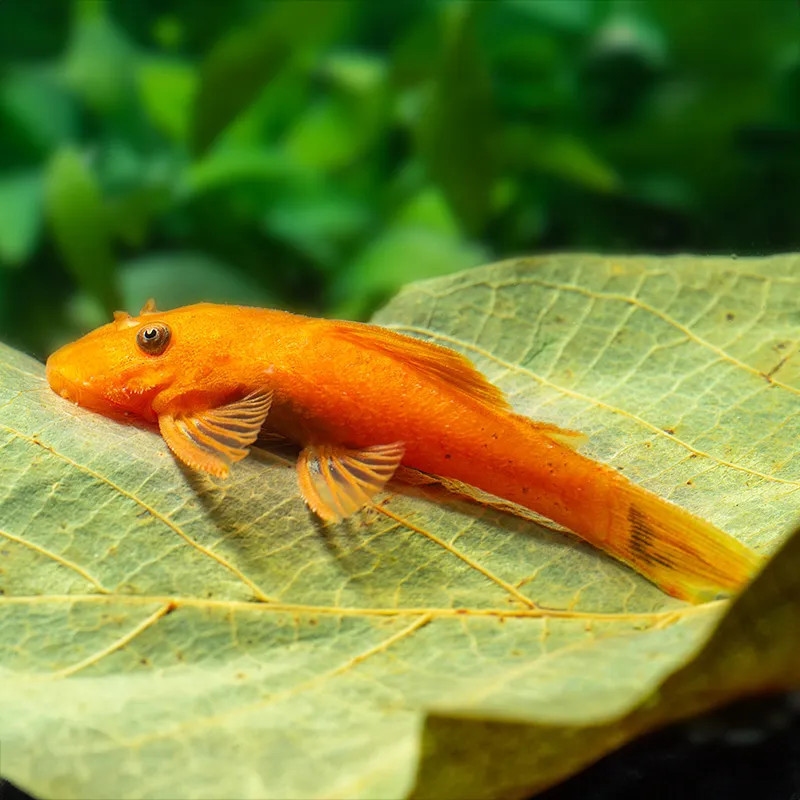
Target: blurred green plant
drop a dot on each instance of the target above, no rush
(317, 154)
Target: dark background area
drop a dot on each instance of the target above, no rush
(318, 155)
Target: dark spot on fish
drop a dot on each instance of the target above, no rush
(524, 490)
(670, 431)
(730, 316)
(494, 436)
(447, 455)
(690, 483)
(643, 539)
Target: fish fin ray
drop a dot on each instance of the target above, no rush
(213, 439)
(684, 555)
(336, 481)
(432, 360)
(564, 436)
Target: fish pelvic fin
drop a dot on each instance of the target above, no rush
(683, 555)
(431, 360)
(336, 481)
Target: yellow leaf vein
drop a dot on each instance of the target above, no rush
(257, 591)
(664, 317)
(312, 683)
(667, 616)
(117, 644)
(512, 590)
(64, 562)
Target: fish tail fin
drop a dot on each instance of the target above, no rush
(685, 556)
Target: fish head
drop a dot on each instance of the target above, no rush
(120, 368)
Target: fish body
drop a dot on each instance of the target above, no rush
(361, 400)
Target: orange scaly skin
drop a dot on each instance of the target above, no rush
(352, 385)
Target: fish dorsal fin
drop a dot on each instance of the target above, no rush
(213, 439)
(336, 481)
(432, 360)
(564, 436)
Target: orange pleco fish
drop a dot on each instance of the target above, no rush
(362, 400)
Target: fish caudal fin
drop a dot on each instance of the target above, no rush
(682, 554)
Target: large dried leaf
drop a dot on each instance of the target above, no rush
(163, 636)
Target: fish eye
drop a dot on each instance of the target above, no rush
(153, 338)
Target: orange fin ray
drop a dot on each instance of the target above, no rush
(564, 436)
(213, 439)
(432, 360)
(336, 482)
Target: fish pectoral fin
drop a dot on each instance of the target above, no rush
(565, 436)
(213, 439)
(336, 482)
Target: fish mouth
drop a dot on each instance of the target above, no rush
(78, 392)
(71, 388)
(86, 394)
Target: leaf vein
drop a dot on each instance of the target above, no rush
(64, 562)
(150, 510)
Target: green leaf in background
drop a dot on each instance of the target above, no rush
(20, 216)
(337, 130)
(560, 155)
(167, 89)
(225, 166)
(99, 63)
(423, 240)
(319, 220)
(35, 102)
(165, 635)
(456, 127)
(178, 279)
(241, 64)
(79, 225)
